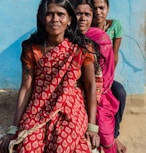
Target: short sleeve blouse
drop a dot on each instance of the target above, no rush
(115, 30)
(31, 54)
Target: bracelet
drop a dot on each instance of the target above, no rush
(93, 127)
(12, 129)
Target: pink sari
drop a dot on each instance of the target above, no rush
(108, 104)
(56, 107)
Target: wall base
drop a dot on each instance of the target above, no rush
(136, 103)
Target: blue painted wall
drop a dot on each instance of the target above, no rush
(18, 20)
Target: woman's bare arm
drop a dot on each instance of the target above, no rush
(22, 101)
(90, 89)
(116, 46)
(23, 95)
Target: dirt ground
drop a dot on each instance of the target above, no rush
(133, 127)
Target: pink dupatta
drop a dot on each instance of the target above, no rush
(102, 39)
(108, 104)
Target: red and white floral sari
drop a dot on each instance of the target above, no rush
(57, 104)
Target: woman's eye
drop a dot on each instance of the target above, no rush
(87, 14)
(78, 13)
(48, 13)
(60, 14)
(101, 7)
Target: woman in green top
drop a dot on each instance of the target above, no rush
(114, 29)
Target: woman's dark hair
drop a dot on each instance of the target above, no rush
(89, 2)
(107, 2)
(96, 46)
(39, 37)
(41, 34)
(71, 32)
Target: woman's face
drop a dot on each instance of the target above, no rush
(57, 19)
(101, 10)
(84, 14)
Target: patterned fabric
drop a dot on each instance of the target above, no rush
(55, 89)
(108, 104)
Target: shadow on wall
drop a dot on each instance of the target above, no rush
(131, 69)
(10, 72)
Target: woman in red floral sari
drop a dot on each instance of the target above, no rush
(50, 115)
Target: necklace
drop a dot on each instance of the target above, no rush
(104, 26)
(48, 48)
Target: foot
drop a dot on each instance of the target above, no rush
(120, 147)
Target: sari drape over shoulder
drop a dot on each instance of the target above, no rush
(108, 105)
(56, 103)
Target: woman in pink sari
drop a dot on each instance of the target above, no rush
(50, 114)
(107, 103)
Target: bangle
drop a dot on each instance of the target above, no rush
(93, 127)
(12, 129)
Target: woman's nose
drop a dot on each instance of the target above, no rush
(97, 11)
(55, 17)
(82, 16)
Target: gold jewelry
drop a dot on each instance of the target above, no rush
(48, 48)
(93, 127)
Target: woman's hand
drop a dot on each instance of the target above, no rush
(93, 138)
(4, 142)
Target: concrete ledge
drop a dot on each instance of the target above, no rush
(135, 110)
(136, 103)
(138, 100)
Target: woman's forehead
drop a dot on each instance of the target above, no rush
(54, 6)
